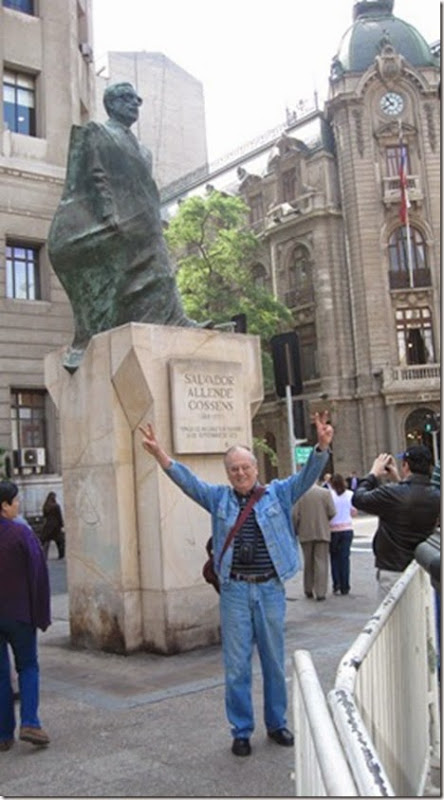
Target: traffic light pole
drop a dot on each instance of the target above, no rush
(289, 399)
(434, 435)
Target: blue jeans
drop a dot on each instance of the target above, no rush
(340, 545)
(23, 639)
(253, 613)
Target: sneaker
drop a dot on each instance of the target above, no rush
(241, 747)
(36, 736)
(6, 744)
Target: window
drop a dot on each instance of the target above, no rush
(256, 208)
(19, 102)
(393, 159)
(299, 278)
(270, 457)
(28, 418)
(414, 333)
(288, 185)
(308, 349)
(27, 6)
(22, 272)
(408, 259)
(259, 275)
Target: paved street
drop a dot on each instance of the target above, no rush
(154, 726)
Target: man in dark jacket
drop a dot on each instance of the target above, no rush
(407, 508)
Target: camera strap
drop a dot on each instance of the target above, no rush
(255, 496)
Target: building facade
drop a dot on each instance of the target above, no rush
(358, 268)
(172, 118)
(345, 199)
(48, 84)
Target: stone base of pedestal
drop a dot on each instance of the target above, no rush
(135, 542)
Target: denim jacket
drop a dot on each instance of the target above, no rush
(273, 512)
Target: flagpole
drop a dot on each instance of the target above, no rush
(404, 211)
(409, 249)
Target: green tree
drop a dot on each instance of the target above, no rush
(214, 250)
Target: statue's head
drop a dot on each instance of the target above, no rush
(122, 102)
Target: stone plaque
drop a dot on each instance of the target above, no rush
(209, 412)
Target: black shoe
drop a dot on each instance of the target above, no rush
(309, 595)
(320, 598)
(241, 747)
(282, 736)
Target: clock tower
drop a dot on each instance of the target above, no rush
(384, 111)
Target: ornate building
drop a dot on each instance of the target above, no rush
(346, 200)
(359, 270)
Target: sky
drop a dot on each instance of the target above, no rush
(254, 59)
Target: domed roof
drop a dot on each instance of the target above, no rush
(373, 25)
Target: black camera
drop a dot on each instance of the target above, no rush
(246, 553)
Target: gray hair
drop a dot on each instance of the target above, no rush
(240, 448)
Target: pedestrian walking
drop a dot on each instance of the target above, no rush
(24, 607)
(341, 528)
(251, 571)
(407, 506)
(352, 481)
(311, 519)
(53, 525)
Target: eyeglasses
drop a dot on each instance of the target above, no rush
(234, 470)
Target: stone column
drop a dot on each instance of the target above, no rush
(135, 542)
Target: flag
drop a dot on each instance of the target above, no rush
(405, 202)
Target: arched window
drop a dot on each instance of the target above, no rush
(299, 278)
(408, 259)
(259, 274)
(414, 428)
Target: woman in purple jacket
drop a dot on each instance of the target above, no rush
(24, 607)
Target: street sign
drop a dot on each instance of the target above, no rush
(302, 454)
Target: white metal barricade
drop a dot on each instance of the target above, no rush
(384, 722)
(321, 769)
(389, 675)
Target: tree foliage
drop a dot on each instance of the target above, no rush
(214, 252)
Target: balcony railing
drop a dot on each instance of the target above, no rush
(392, 189)
(401, 280)
(299, 297)
(428, 374)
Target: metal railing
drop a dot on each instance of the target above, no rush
(321, 769)
(384, 706)
(390, 673)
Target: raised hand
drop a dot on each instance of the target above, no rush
(324, 429)
(152, 446)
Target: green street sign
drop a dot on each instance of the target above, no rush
(302, 454)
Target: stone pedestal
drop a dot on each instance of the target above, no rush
(135, 542)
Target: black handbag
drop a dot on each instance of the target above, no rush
(208, 570)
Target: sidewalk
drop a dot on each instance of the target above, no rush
(154, 726)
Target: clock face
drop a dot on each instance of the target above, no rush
(392, 103)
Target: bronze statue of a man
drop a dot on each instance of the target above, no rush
(106, 241)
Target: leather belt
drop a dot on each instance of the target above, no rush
(237, 576)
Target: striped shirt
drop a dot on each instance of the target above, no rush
(250, 541)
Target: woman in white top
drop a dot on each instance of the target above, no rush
(341, 534)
